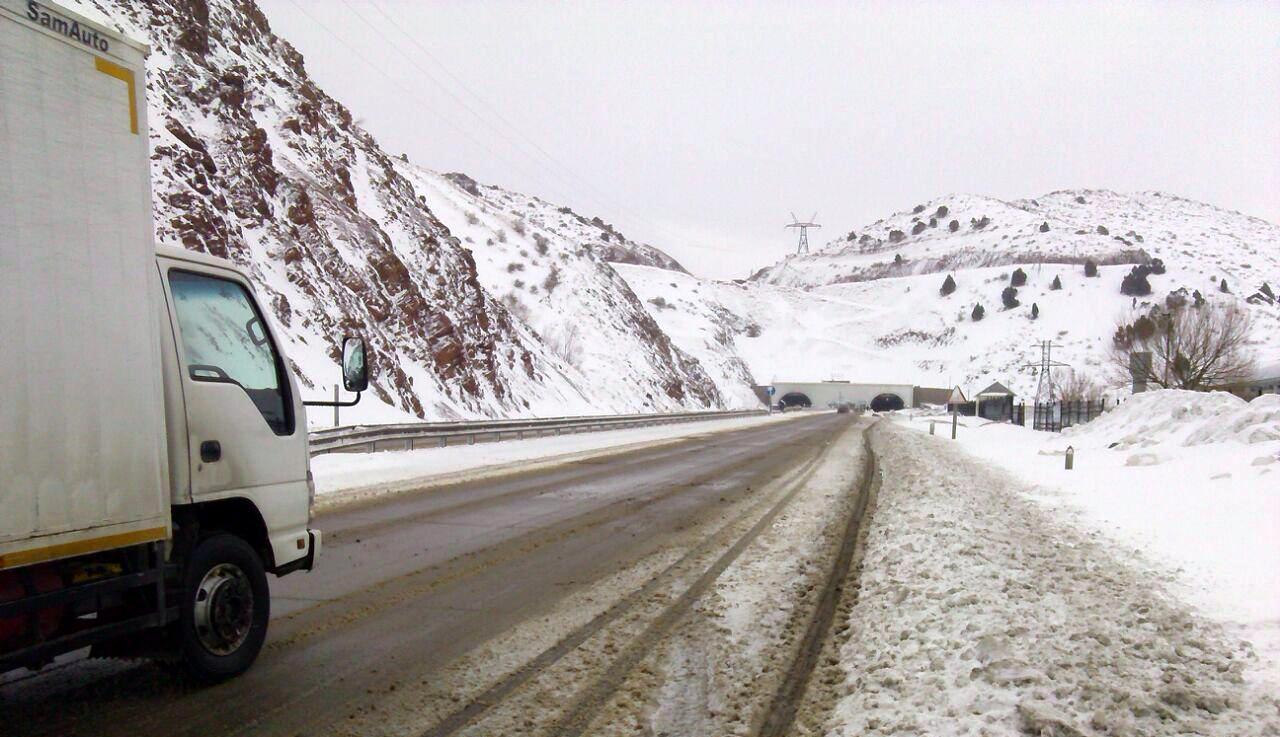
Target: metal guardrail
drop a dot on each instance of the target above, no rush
(408, 436)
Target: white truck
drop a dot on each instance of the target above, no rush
(153, 441)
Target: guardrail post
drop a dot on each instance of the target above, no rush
(444, 441)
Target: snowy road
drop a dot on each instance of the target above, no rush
(576, 599)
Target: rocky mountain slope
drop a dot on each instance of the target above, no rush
(868, 306)
(255, 163)
(549, 267)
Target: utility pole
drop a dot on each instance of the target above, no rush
(1045, 389)
(803, 246)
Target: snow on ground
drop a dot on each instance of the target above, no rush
(342, 477)
(982, 612)
(1192, 484)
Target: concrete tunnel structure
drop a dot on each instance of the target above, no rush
(823, 394)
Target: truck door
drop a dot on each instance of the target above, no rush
(243, 416)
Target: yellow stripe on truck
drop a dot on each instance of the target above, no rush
(124, 75)
(80, 547)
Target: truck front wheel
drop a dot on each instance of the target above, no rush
(225, 607)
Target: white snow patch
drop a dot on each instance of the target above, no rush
(1185, 480)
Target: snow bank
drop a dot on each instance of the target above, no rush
(1183, 418)
(981, 612)
(1186, 482)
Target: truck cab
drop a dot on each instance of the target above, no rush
(234, 417)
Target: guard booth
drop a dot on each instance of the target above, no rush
(995, 403)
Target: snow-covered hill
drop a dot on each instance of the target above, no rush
(1068, 226)
(478, 301)
(868, 307)
(252, 161)
(548, 266)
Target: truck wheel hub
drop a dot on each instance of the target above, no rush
(223, 609)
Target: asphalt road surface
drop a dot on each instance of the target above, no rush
(409, 585)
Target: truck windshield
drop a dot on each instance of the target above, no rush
(225, 340)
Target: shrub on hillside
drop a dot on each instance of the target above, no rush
(502, 236)
(472, 219)
(1057, 283)
(917, 209)
(933, 222)
(1157, 266)
(1019, 278)
(978, 313)
(1090, 268)
(896, 236)
(1044, 227)
(953, 226)
(948, 286)
(1079, 200)
(552, 281)
(1102, 230)
(1222, 286)
(941, 212)
(1009, 297)
(540, 244)
(897, 259)
(514, 266)
(1135, 283)
(980, 223)
(518, 226)
(1035, 311)
(918, 228)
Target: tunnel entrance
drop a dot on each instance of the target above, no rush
(795, 399)
(886, 403)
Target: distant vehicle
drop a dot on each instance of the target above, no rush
(152, 435)
(844, 408)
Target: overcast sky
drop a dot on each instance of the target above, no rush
(699, 126)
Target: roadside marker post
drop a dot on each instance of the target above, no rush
(931, 424)
(954, 421)
(1071, 457)
(770, 391)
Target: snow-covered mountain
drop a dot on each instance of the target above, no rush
(479, 301)
(252, 161)
(868, 307)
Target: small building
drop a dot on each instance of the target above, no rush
(995, 402)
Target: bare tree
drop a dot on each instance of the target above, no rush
(1199, 348)
(1080, 386)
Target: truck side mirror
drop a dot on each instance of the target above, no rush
(355, 370)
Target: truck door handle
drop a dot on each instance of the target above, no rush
(210, 451)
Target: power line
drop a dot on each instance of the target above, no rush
(462, 131)
(602, 198)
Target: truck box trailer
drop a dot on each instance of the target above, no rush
(153, 448)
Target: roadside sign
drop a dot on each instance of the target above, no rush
(957, 396)
(771, 391)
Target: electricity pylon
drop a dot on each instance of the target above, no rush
(803, 246)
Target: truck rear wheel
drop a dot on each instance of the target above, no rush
(225, 608)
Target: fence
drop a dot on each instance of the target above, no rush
(407, 436)
(1054, 416)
